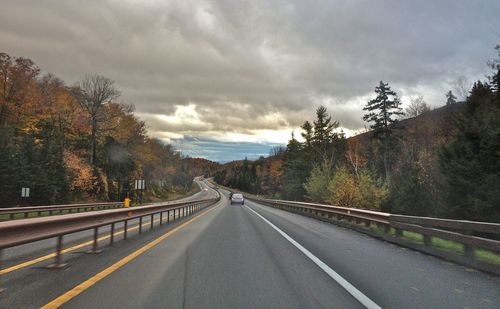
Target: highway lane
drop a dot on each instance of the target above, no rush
(390, 275)
(230, 257)
(233, 259)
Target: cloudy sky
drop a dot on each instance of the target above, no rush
(229, 79)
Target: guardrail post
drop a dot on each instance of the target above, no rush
(469, 252)
(399, 232)
(58, 258)
(125, 223)
(427, 240)
(152, 220)
(1, 257)
(140, 224)
(468, 249)
(95, 244)
(112, 234)
(168, 215)
(161, 218)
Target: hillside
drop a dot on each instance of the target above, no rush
(428, 130)
(355, 177)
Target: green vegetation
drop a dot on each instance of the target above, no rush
(487, 256)
(439, 243)
(471, 162)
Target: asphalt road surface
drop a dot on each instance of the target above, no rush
(249, 256)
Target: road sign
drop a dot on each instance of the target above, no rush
(25, 192)
(140, 184)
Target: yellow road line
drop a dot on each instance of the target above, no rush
(67, 250)
(64, 298)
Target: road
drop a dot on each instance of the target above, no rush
(250, 256)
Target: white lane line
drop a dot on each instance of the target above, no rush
(357, 294)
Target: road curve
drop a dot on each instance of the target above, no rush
(235, 257)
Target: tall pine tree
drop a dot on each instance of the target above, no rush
(450, 98)
(324, 134)
(382, 114)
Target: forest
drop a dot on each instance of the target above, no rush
(416, 161)
(78, 143)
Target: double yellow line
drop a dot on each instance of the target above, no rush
(70, 249)
(64, 298)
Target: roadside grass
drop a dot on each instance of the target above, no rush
(487, 256)
(439, 243)
(30, 215)
(447, 245)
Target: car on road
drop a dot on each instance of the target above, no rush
(237, 198)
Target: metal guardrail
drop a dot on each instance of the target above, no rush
(458, 231)
(25, 211)
(11, 212)
(23, 231)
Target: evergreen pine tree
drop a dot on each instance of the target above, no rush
(382, 113)
(323, 133)
(307, 134)
(296, 169)
(471, 162)
(450, 98)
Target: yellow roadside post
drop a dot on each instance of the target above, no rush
(126, 204)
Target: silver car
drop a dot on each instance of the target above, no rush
(237, 198)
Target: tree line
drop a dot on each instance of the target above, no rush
(444, 162)
(76, 142)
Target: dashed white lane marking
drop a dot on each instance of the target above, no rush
(357, 294)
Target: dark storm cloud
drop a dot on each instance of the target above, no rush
(247, 65)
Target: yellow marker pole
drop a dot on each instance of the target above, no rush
(126, 204)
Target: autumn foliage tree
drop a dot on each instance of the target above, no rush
(76, 143)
